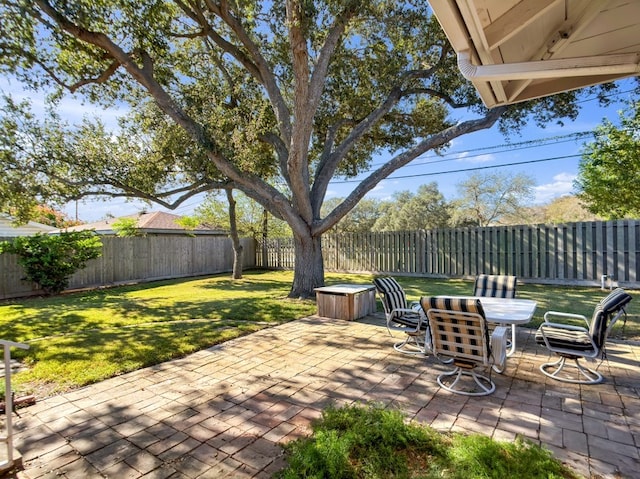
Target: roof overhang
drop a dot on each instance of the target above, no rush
(517, 50)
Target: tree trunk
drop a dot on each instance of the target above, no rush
(309, 268)
(238, 254)
(235, 239)
(265, 235)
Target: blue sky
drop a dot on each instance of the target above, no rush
(485, 150)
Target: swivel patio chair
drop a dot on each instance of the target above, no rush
(577, 342)
(497, 286)
(459, 332)
(403, 317)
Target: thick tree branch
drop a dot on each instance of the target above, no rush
(308, 92)
(434, 141)
(281, 151)
(331, 157)
(159, 198)
(328, 164)
(260, 68)
(102, 78)
(443, 96)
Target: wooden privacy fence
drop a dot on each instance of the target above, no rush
(573, 253)
(135, 259)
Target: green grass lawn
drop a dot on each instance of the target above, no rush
(374, 442)
(81, 338)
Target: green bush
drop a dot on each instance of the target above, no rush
(50, 260)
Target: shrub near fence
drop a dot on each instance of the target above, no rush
(134, 259)
(573, 253)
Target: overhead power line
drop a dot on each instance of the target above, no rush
(462, 170)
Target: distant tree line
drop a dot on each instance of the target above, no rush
(484, 199)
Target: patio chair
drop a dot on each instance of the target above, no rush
(459, 332)
(403, 317)
(497, 286)
(577, 342)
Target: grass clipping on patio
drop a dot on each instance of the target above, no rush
(373, 442)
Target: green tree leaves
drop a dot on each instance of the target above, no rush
(426, 209)
(488, 198)
(609, 171)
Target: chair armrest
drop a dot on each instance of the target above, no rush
(568, 327)
(559, 314)
(558, 348)
(417, 308)
(413, 312)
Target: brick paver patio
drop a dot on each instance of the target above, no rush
(223, 412)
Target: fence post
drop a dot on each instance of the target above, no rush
(8, 403)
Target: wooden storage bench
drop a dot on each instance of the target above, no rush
(346, 301)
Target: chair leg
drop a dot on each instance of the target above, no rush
(411, 345)
(486, 385)
(581, 375)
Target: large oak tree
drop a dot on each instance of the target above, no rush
(308, 90)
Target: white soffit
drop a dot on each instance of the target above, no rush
(517, 50)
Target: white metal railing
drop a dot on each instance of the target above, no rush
(8, 402)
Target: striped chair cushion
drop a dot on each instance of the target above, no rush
(394, 300)
(561, 338)
(386, 284)
(458, 327)
(610, 305)
(409, 319)
(496, 286)
(393, 297)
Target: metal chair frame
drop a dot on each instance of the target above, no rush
(462, 336)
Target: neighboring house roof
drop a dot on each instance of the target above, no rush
(156, 222)
(8, 229)
(517, 50)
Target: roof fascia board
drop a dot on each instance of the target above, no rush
(476, 32)
(450, 19)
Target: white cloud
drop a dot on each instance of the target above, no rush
(383, 190)
(477, 158)
(561, 185)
